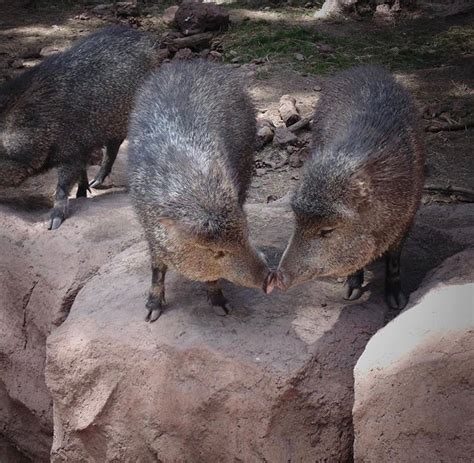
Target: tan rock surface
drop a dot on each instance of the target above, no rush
(414, 382)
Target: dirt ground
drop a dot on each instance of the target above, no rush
(445, 91)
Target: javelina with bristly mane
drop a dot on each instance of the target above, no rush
(57, 113)
(191, 144)
(361, 187)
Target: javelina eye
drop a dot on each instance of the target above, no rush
(326, 231)
(219, 254)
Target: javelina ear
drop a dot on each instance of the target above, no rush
(176, 228)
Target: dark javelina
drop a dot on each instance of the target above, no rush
(361, 186)
(191, 144)
(57, 113)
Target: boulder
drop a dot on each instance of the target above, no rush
(414, 381)
(272, 381)
(40, 274)
(194, 18)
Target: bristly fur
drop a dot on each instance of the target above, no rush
(191, 145)
(58, 112)
(364, 176)
(198, 127)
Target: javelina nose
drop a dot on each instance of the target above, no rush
(269, 283)
(275, 279)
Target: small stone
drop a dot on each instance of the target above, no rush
(30, 63)
(264, 135)
(49, 50)
(214, 56)
(184, 53)
(317, 88)
(169, 15)
(283, 137)
(299, 57)
(235, 60)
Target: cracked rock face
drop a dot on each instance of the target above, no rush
(414, 381)
(40, 274)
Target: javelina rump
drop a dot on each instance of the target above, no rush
(57, 113)
(361, 186)
(191, 144)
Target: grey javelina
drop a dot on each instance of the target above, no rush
(57, 113)
(361, 186)
(191, 144)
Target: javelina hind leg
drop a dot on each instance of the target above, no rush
(217, 298)
(394, 296)
(156, 297)
(354, 284)
(67, 177)
(110, 154)
(83, 186)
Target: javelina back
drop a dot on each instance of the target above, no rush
(191, 144)
(57, 113)
(361, 186)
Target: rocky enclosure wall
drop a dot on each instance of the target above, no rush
(274, 380)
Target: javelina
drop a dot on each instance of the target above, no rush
(361, 186)
(57, 113)
(191, 143)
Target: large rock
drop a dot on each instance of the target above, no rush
(195, 17)
(40, 274)
(273, 381)
(414, 382)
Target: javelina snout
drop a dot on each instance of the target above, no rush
(208, 252)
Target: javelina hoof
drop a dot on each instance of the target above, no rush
(155, 308)
(354, 284)
(98, 180)
(222, 310)
(57, 218)
(396, 299)
(220, 305)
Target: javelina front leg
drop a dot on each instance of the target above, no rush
(67, 177)
(354, 284)
(217, 298)
(394, 296)
(110, 155)
(83, 186)
(156, 297)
